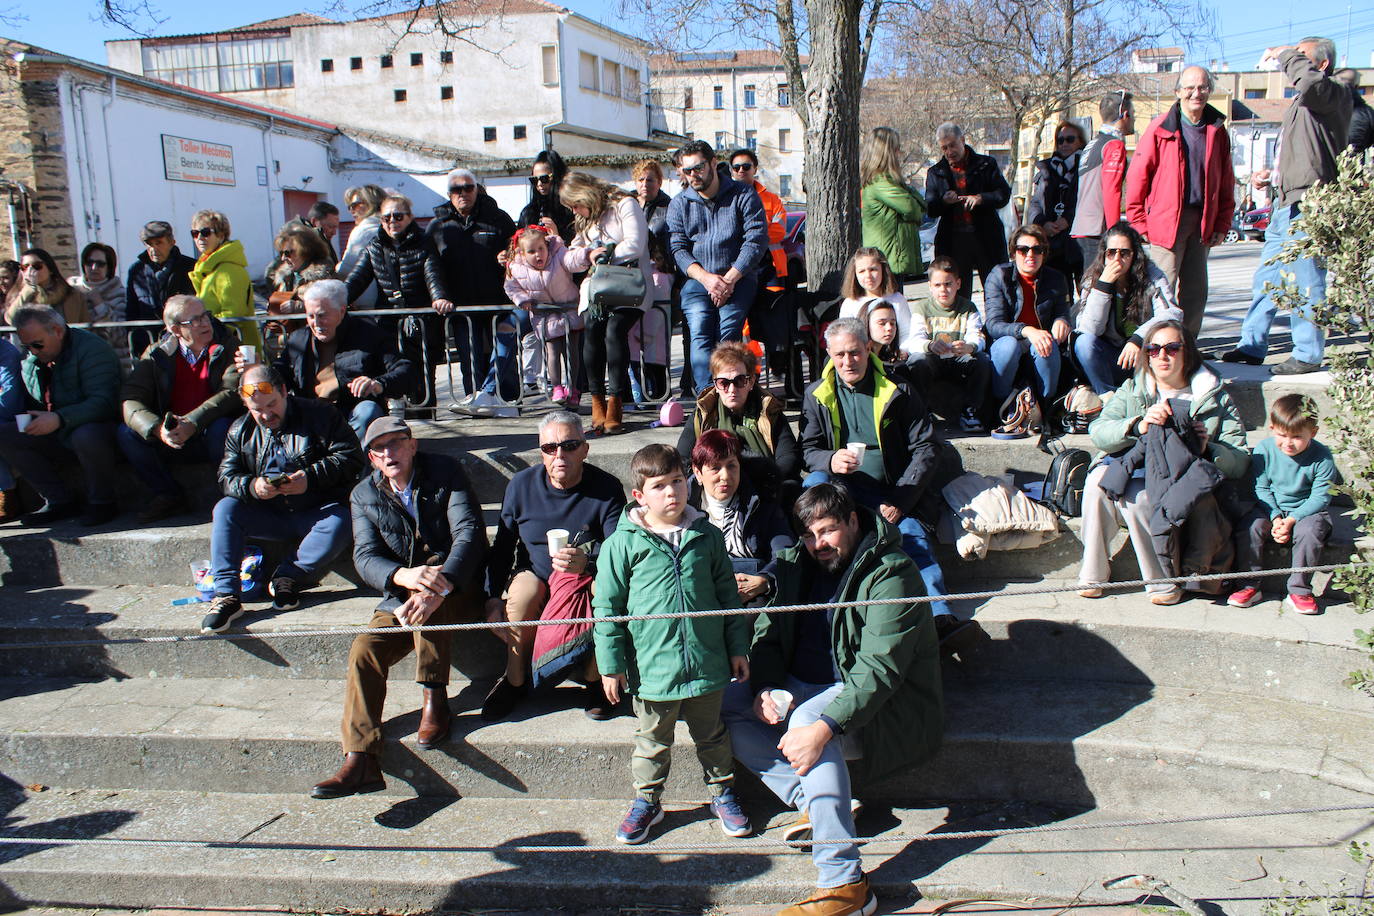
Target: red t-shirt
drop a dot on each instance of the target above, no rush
(190, 384)
(1027, 315)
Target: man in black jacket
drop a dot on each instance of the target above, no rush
(965, 190)
(418, 539)
(343, 359)
(288, 466)
(158, 274)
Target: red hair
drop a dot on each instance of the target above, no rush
(715, 446)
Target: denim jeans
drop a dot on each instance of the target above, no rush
(362, 414)
(505, 359)
(915, 540)
(1009, 354)
(149, 457)
(709, 324)
(323, 533)
(1309, 341)
(1097, 358)
(34, 458)
(823, 793)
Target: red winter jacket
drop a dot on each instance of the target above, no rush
(1154, 181)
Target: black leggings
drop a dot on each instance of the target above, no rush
(606, 349)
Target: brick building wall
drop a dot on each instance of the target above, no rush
(32, 156)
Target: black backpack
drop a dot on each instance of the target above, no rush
(1063, 488)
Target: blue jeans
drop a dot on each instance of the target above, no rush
(505, 360)
(149, 457)
(709, 324)
(823, 793)
(1097, 357)
(1009, 353)
(915, 540)
(363, 413)
(35, 459)
(1309, 341)
(323, 533)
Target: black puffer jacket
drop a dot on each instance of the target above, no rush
(363, 350)
(467, 248)
(313, 437)
(406, 270)
(386, 538)
(150, 285)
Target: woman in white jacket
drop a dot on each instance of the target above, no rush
(363, 203)
(608, 219)
(1124, 296)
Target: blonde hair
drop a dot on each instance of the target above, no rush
(644, 167)
(581, 189)
(211, 219)
(370, 195)
(882, 156)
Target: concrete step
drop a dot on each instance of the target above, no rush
(1062, 743)
(375, 854)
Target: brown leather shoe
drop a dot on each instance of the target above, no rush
(849, 900)
(435, 719)
(615, 414)
(598, 424)
(359, 775)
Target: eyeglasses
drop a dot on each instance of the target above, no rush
(1067, 138)
(253, 388)
(567, 445)
(378, 448)
(395, 217)
(1119, 252)
(1028, 250)
(1172, 348)
(203, 233)
(741, 166)
(697, 169)
(534, 179)
(738, 381)
(202, 318)
(462, 188)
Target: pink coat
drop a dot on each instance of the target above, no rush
(553, 285)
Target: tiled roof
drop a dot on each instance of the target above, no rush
(752, 59)
(476, 8)
(283, 22)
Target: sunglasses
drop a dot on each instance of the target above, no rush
(697, 169)
(738, 381)
(97, 264)
(288, 252)
(394, 217)
(203, 233)
(567, 445)
(534, 179)
(462, 188)
(1067, 138)
(253, 388)
(33, 265)
(1172, 348)
(1028, 250)
(202, 318)
(357, 204)
(1119, 252)
(741, 166)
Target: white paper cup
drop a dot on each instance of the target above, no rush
(557, 538)
(858, 448)
(249, 354)
(22, 420)
(782, 699)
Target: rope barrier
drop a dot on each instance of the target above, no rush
(753, 845)
(676, 615)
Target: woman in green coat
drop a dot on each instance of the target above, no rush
(220, 276)
(892, 209)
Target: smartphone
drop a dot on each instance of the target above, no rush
(280, 480)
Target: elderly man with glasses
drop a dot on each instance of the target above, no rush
(72, 376)
(179, 401)
(554, 518)
(289, 464)
(418, 539)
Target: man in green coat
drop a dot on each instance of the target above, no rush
(859, 683)
(73, 375)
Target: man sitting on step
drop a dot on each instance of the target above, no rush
(418, 538)
(288, 466)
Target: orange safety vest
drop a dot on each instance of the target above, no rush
(776, 212)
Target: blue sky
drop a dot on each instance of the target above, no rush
(1245, 27)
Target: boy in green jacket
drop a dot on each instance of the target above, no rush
(667, 557)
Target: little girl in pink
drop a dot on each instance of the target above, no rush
(539, 274)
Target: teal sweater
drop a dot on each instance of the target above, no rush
(1296, 487)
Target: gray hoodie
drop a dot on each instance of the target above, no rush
(1315, 128)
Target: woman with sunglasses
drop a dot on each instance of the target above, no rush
(1124, 296)
(769, 456)
(41, 283)
(1054, 199)
(304, 258)
(1026, 308)
(1171, 368)
(544, 208)
(363, 202)
(221, 275)
(105, 295)
(892, 209)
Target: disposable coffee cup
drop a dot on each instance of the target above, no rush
(557, 538)
(858, 448)
(782, 699)
(249, 354)
(23, 420)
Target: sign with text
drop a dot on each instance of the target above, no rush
(197, 160)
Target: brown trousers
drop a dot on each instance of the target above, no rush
(372, 657)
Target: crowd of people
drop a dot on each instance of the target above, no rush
(295, 411)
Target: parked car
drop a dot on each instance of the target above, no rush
(1249, 226)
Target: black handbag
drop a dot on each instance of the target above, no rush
(1065, 480)
(610, 286)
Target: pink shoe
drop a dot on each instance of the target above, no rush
(1246, 597)
(1302, 604)
(560, 395)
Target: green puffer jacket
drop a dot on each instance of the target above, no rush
(892, 215)
(1115, 429)
(85, 382)
(639, 573)
(887, 654)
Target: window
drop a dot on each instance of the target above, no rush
(518, 132)
(445, 93)
(1164, 67)
(587, 71)
(224, 64)
(610, 78)
(355, 63)
(327, 65)
(489, 134)
(1256, 93)
(548, 60)
(750, 96)
(417, 59)
(784, 96)
(1289, 92)
(784, 139)
(632, 91)
(717, 96)
(445, 57)
(687, 97)
(399, 94)
(751, 140)
(784, 186)
(386, 61)
(720, 141)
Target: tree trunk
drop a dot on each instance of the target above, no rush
(833, 84)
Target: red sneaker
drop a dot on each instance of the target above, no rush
(1246, 597)
(1302, 604)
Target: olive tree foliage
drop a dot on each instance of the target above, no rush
(1338, 218)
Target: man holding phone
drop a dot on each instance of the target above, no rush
(288, 467)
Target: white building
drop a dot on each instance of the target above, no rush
(1157, 60)
(734, 99)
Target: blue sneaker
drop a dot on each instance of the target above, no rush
(733, 820)
(643, 815)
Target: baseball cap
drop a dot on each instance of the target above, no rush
(384, 426)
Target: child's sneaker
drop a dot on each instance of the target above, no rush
(1246, 597)
(560, 395)
(1302, 604)
(643, 815)
(733, 820)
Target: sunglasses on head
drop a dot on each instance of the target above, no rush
(567, 445)
(462, 188)
(1027, 250)
(204, 233)
(737, 381)
(253, 388)
(1172, 348)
